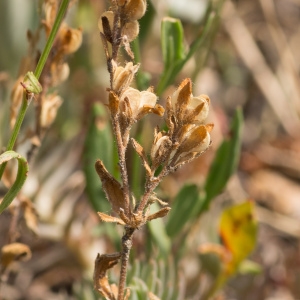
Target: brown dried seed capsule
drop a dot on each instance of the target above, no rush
(196, 140)
(134, 9)
(131, 30)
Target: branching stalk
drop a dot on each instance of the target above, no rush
(118, 27)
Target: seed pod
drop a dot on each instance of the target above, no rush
(134, 9)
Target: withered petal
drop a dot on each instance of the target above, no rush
(181, 97)
(197, 140)
(111, 187)
(103, 263)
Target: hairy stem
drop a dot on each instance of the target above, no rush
(126, 247)
(122, 163)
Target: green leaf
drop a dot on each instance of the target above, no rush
(172, 42)
(183, 209)
(20, 179)
(225, 162)
(98, 145)
(158, 232)
(172, 51)
(172, 37)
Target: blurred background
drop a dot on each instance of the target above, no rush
(250, 60)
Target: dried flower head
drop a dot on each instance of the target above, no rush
(195, 141)
(119, 26)
(187, 108)
(122, 77)
(187, 137)
(130, 29)
(140, 103)
(160, 151)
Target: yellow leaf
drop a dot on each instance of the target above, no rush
(238, 231)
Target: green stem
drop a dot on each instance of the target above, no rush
(18, 123)
(38, 71)
(60, 15)
(16, 129)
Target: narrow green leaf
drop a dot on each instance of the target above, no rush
(20, 179)
(225, 162)
(200, 43)
(171, 41)
(98, 145)
(183, 209)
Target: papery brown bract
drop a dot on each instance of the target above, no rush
(186, 107)
(113, 103)
(103, 263)
(111, 187)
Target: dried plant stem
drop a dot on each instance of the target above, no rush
(126, 247)
(146, 197)
(122, 163)
(151, 185)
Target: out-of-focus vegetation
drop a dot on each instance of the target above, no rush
(248, 59)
